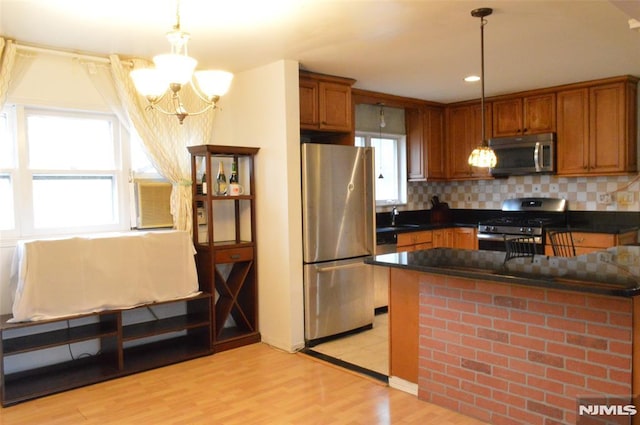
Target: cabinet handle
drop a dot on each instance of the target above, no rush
(234, 256)
(525, 130)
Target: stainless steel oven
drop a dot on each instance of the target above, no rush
(522, 217)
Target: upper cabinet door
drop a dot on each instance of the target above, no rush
(573, 131)
(334, 104)
(524, 115)
(308, 103)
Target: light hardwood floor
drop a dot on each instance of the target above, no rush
(256, 384)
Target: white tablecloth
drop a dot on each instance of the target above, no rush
(62, 277)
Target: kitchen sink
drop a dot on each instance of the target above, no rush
(398, 227)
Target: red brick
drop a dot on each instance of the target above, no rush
(526, 391)
(441, 357)
(465, 374)
(510, 302)
(508, 398)
(620, 319)
(509, 326)
(430, 300)
(492, 311)
(527, 367)
(477, 297)
(480, 344)
(566, 324)
(510, 350)
(544, 358)
(545, 384)
(492, 358)
(566, 377)
(462, 396)
(528, 342)
(546, 308)
(474, 388)
(433, 366)
(476, 319)
(545, 409)
(445, 336)
(526, 417)
(622, 348)
(588, 314)
(566, 350)
(609, 332)
(528, 292)
(608, 387)
(493, 288)
(586, 368)
(431, 343)
(445, 313)
(622, 377)
(493, 382)
(545, 333)
(566, 297)
(562, 401)
(431, 322)
(610, 303)
(461, 283)
(526, 317)
(446, 380)
(509, 375)
(492, 335)
(609, 360)
(491, 405)
(445, 401)
(463, 306)
(475, 365)
(460, 350)
(440, 291)
(587, 341)
(461, 328)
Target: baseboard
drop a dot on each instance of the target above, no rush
(403, 385)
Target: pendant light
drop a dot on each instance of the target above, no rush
(482, 156)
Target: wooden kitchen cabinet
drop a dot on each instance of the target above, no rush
(464, 126)
(224, 236)
(586, 242)
(325, 103)
(597, 128)
(524, 115)
(465, 238)
(443, 238)
(414, 241)
(425, 144)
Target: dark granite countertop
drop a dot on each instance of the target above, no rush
(615, 271)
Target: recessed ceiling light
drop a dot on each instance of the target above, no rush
(472, 78)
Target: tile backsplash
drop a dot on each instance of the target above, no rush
(583, 193)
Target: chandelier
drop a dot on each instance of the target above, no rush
(482, 156)
(173, 71)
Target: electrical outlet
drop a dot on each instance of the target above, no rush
(519, 189)
(604, 198)
(625, 198)
(467, 197)
(536, 188)
(553, 188)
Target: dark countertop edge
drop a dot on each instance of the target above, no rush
(512, 279)
(612, 230)
(419, 227)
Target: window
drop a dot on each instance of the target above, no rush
(66, 172)
(390, 166)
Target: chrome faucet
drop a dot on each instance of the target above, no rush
(394, 213)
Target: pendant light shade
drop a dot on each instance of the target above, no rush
(482, 156)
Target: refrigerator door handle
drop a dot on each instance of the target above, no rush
(342, 267)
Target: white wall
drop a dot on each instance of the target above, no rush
(262, 110)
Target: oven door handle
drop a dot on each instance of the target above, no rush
(500, 237)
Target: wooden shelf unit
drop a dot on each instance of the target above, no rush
(225, 240)
(122, 349)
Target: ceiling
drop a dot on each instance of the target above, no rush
(414, 48)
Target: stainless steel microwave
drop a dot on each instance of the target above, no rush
(521, 155)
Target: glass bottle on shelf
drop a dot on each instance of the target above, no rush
(221, 180)
(204, 183)
(234, 173)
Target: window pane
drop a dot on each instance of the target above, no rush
(360, 141)
(7, 149)
(73, 201)
(69, 143)
(6, 203)
(386, 165)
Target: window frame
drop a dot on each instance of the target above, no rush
(22, 176)
(401, 166)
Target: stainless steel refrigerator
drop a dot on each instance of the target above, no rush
(338, 203)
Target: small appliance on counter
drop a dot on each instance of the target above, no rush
(440, 212)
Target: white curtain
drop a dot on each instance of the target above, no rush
(165, 139)
(7, 62)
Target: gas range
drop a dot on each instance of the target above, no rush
(522, 217)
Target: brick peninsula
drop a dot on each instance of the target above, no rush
(518, 342)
